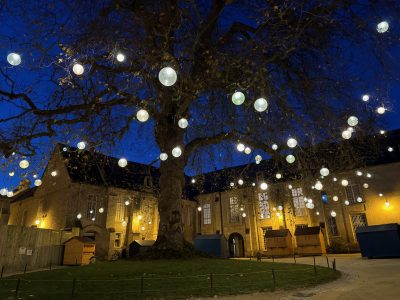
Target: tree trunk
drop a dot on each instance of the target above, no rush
(170, 240)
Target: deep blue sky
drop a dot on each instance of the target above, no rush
(139, 144)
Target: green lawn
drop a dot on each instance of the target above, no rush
(167, 278)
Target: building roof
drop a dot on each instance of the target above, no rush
(277, 233)
(307, 230)
(24, 194)
(144, 243)
(95, 168)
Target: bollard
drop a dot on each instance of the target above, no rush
(211, 283)
(273, 279)
(327, 261)
(141, 285)
(315, 267)
(2, 271)
(26, 266)
(73, 287)
(17, 287)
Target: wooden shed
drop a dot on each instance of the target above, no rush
(279, 242)
(79, 251)
(140, 246)
(310, 241)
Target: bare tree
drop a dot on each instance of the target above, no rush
(301, 56)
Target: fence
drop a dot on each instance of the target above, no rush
(153, 286)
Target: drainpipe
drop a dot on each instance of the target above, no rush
(220, 211)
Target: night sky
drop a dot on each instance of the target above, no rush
(139, 145)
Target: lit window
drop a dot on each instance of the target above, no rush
(117, 241)
(120, 208)
(353, 192)
(265, 240)
(298, 202)
(234, 209)
(92, 207)
(207, 214)
(263, 206)
(332, 226)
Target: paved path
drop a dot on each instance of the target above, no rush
(362, 279)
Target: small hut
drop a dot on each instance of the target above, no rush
(140, 246)
(213, 244)
(78, 251)
(310, 241)
(279, 242)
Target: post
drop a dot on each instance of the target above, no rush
(273, 279)
(73, 287)
(327, 261)
(334, 265)
(294, 257)
(315, 267)
(17, 287)
(26, 265)
(141, 285)
(211, 283)
(2, 271)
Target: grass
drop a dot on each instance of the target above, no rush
(163, 278)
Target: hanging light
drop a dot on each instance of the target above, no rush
(3, 192)
(37, 222)
(183, 123)
(352, 121)
(142, 115)
(23, 164)
(81, 145)
(365, 185)
(199, 208)
(167, 76)
(78, 69)
(359, 199)
(290, 186)
(232, 184)
(260, 105)
(278, 175)
(387, 204)
(247, 150)
(274, 147)
(253, 184)
(258, 159)
(238, 98)
(318, 185)
(335, 198)
(244, 215)
(10, 194)
(38, 182)
(333, 214)
(382, 131)
(381, 110)
(240, 147)
(334, 179)
(127, 202)
(390, 149)
(79, 216)
(123, 223)
(163, 156)
(291, 143)
(346, 134)
(324, 171)
(193, 180)
(365, 97)
(310, 205)
(359, 173)
(345, 182)
(176, 152)
(347, 202)
(101, 210)
(54, 173)
(382, 27)
(263, 186)
(240, 182)
(11, 173)
(290, 158)
(317, 213)
(369, 175)
(122, 162)
(120, 57)
(14, 59)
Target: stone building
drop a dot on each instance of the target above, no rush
(88, 190)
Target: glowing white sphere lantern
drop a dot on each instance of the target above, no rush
(54, 173)
(260, 105)
(278, 175)
(347, 202)
(240, 182)
(381, 110)
(120, 57)
(176, 152)
(382, 27)
(11, 173)
(79, 216)
(10, 194)
(247, 150)
(263, 186)
(240, 147)
(290, 158)
(38, 182)
(346, 134)
(163, 156)
(365, 98)
(14, 59)
(258, 159)
(359, 173)
(122, 162)
(3, 192)
(318, 186)
(359, 199)
(335, 198)
(352, 121)
(101, 210)
(78, 69)
(142, 115)
(333, 214)
(365, 185)
(324, 172)
(183, 123)
(238, 98)
(291, 143)
(344, 182)
(81, 145)
(390, 149)
(167, 76)
(23, 164)
(274, 147)
(310, 205)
